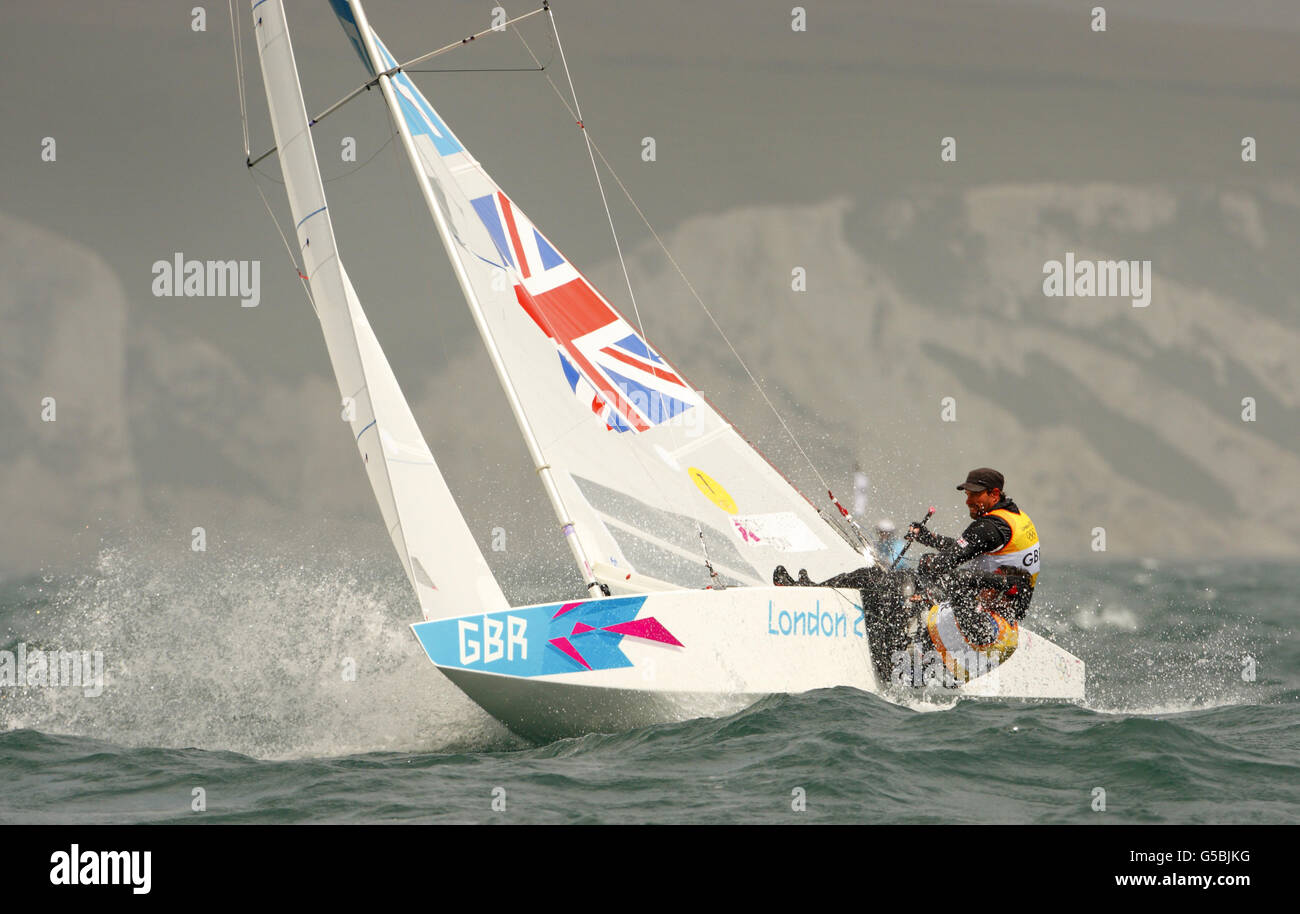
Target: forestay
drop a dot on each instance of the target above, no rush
(640, 461)
(438, 552)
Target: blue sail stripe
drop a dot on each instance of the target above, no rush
(430, 124)
(570, 372)
(550, 256)
(657, 406)
(486, 207)
(348, 19)
(632, 343)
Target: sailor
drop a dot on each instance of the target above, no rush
(888, 545)
(987, 575)
(971, 593)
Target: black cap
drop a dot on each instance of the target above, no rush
(981, 480)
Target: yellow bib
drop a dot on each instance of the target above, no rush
(1021, 551)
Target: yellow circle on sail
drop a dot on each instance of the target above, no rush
(713, 490)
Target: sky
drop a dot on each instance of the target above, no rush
(773, 147)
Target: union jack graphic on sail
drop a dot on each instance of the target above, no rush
(606, 363)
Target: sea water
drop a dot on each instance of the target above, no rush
(250, 689)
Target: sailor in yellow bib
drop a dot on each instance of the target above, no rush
(987, 577)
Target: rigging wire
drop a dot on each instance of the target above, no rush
(236, 37)
(480, 70)
(576, 111)
(758, 386)
(302, 277)
(594, 150)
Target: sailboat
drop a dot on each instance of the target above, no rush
(674, 520)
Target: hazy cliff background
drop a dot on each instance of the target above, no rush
(775, 149)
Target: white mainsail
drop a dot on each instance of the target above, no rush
(444, 564)
(645, 475)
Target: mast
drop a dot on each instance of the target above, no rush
(475, 306)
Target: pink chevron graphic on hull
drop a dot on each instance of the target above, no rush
(566, 608)
(648, 628)
(564, 645)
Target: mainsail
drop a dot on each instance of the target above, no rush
(438, 552)
(645, 475)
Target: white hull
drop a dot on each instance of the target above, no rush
(557, 670)
(547, 711)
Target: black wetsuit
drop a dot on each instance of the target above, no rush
(985, 534)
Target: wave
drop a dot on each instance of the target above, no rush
(265, 656)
